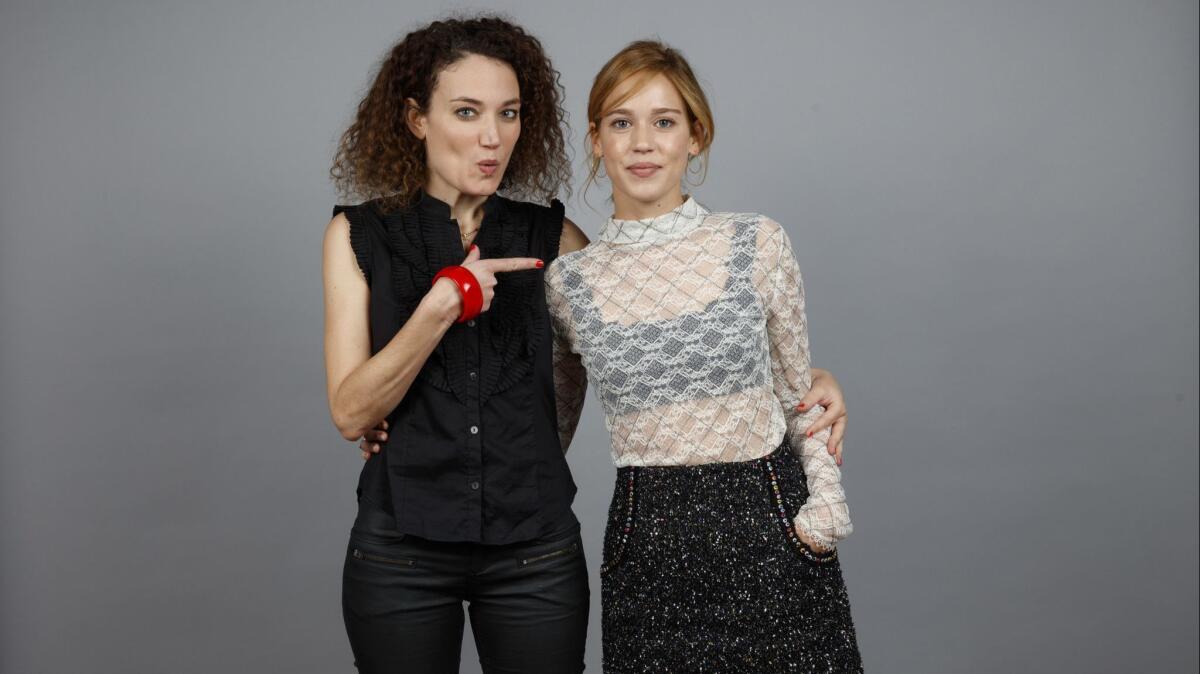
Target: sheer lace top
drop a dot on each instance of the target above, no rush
(691, 327)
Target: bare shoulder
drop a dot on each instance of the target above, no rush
(573, 238)
(338, 229)
(340, 263)
(337, 244)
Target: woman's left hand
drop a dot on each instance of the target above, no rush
(826, 392)
(812, 545)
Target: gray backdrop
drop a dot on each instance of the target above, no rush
(994, 204)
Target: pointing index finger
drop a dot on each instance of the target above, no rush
(516, 264)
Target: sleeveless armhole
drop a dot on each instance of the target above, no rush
(551, 222)
(360, 240)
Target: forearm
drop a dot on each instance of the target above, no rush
(373, 389)
(824, 518)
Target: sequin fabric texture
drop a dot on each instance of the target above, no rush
(701, 575)
(691, 328)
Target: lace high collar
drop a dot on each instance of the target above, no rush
(670, 225)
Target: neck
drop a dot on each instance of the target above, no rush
(666, 226)
(626, 207)
(466, 209)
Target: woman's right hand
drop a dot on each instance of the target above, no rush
(450, 300)
(372, 439)
(485, 272)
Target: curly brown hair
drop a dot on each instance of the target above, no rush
(380, 158)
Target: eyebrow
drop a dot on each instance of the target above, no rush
(476, 101)
(655, 111)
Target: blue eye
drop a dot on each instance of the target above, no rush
(510, 114)
(465, 112)
(620, 124)
(665, 123)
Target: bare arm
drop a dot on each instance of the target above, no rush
(572, 238)
(362, 389)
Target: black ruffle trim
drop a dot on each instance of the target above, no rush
(516, 323)
(514, 326)
(360, 239)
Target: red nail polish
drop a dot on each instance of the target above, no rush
(810, 434)
(540, 264)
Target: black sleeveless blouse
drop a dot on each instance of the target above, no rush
(472, 452)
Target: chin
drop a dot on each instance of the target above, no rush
(482, 187)
(648, 194)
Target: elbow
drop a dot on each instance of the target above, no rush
(347, 425)
(347, 430)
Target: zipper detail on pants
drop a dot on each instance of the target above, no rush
(557, 553)
(359, 554)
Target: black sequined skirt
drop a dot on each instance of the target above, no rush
(702, 572)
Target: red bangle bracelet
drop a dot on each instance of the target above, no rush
(468, 288)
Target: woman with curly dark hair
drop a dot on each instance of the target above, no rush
(440, 358)
(465, 495)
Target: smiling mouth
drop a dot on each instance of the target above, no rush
(643, 170)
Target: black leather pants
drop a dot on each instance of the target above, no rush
(402, 600)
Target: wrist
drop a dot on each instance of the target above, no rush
(470, 294)
(811, 540)
(444, 301)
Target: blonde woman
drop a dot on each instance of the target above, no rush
(720, 550)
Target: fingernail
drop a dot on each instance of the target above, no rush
(540, 264)
(383, 436)
(800, 406)
(472, 247)
(810, 434)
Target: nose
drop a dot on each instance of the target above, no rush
(641, 139)
(489, 135)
